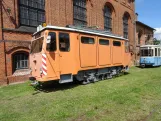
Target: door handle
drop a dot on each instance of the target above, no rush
(60, 55)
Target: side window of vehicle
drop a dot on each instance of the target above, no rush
(87, 40)
(103, 42)
(116, 43)
(156, 52)
(159, 52)
(64, 42)
(52, 45)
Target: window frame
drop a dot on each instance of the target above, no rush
(68, 43)
(80, 12)
(125, 27)
(104, 40)
(117, 45)
(28, 8)
(86, 42)
(50, 43)
(156, 52)
(17, 60)
(107, 18)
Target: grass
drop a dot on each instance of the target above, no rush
(132, 97)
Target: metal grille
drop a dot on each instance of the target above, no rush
(32, 12)
(125, 26)
(20, 61)
(79, 12)
(107, 18)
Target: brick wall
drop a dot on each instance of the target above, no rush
(144, 32)
(59, 13)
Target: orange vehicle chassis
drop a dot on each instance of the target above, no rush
(66, 53)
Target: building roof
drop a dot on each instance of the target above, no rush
(83, 30)
(138, 22)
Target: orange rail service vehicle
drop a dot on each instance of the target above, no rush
(87, 55)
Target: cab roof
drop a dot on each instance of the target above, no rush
(82, 30)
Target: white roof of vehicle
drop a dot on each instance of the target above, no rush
(150, 46)
(83, 30)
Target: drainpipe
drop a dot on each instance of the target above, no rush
(4, 43)
(135, 34)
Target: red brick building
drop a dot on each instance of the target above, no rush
(144, 36)
(19, 19)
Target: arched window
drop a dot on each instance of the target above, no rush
(79, 12)
(107, 18)
(125, 25)
(20, 61)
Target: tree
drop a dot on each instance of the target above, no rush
(156, 41)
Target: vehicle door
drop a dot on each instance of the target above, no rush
(65, 53)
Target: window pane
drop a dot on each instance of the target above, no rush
(116, 43)
(52, 45)
(103, 42)
(107, 18)
(64, 44)
(32, 12)
(36, 45)
(156, 52)
(20, 60)
(79, 12)
(87, 40)
(125, 26)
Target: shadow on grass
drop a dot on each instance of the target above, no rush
(54, 86)
(148, 66)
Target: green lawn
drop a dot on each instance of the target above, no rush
(132, 97)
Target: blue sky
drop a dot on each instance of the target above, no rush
(150, 13)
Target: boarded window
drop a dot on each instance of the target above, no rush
(32, 12)
(87, 40)
(79, 12)
(116, 43)
(52, 45)
(103, 42)
(64, 42)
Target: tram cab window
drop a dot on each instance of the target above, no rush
(116, 43)
(64, 44)
(52, 45)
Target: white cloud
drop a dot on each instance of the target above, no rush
(157, 33)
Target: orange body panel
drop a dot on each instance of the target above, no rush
(117, 55)
(80, 57)
(88, 53)
(104, 55)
